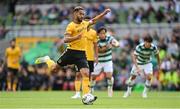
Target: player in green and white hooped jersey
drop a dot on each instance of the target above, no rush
(105, 44)
(142, 64)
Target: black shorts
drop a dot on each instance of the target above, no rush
(75, 57)
(13, 71)
(91, 66)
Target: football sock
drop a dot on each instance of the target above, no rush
(14, 86)
(77, 85)
(147, 86)
(50, 63)
(85, 85)
(130, 84)
(110, 82)
(8, 85)
(93, 83)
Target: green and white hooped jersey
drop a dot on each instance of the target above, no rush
(144, 54)
(107, 55)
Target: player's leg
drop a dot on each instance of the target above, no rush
(64, 60)
(148, 70)
(85, 80)
(110, 82)
(50, 63)
(130, 82)
(14, 79)
(108, 68)
(91, 68)
(9, 79)
(77, 86)
(82, 64)
(94, 74)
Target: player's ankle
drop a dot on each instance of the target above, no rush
(78, 93)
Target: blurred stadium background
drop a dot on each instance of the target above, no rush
(38, 26)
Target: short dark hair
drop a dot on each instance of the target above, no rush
(77, 8)
(13, 40)
(148, 38)
(101, 28)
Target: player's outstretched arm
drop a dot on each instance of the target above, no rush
(68, 38)
(100, 16)
(115, 43)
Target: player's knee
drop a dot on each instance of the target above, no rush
(9, 75)
(108, 75)
(149, 77)
(131, 81)
(84, 72)
(93, 77)
(78, 76)
(133, 77)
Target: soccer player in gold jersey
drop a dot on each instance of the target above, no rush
(76, 40)
(91, 55)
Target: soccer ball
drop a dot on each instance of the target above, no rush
(88, 99)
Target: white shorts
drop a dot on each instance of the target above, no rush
(146, 69)
(107, 67)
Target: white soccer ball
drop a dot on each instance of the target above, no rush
(88, 99)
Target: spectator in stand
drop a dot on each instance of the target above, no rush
(3, 31)
(136, 40)
(138, 15)
(52, 14)
(58, 80)
(24, 79)
(150, 10)
(160, 15)
(63, 15)
(130, 17)
(2, 75)
(34, 15)
(69, 80)
(42, 78)
(173, 48)
(176, 34)
(12, 6)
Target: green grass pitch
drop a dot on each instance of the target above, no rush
(62, 100)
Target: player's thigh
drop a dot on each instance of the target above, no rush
(97, 69)
(81, 64)
(108, 67)
(148, 69)
(83, 67)
(134, 71)
(12, 72)
(66, 58)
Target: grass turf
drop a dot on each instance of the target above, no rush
(61, 99)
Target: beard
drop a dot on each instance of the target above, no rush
(13, 46)
(79, 19)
